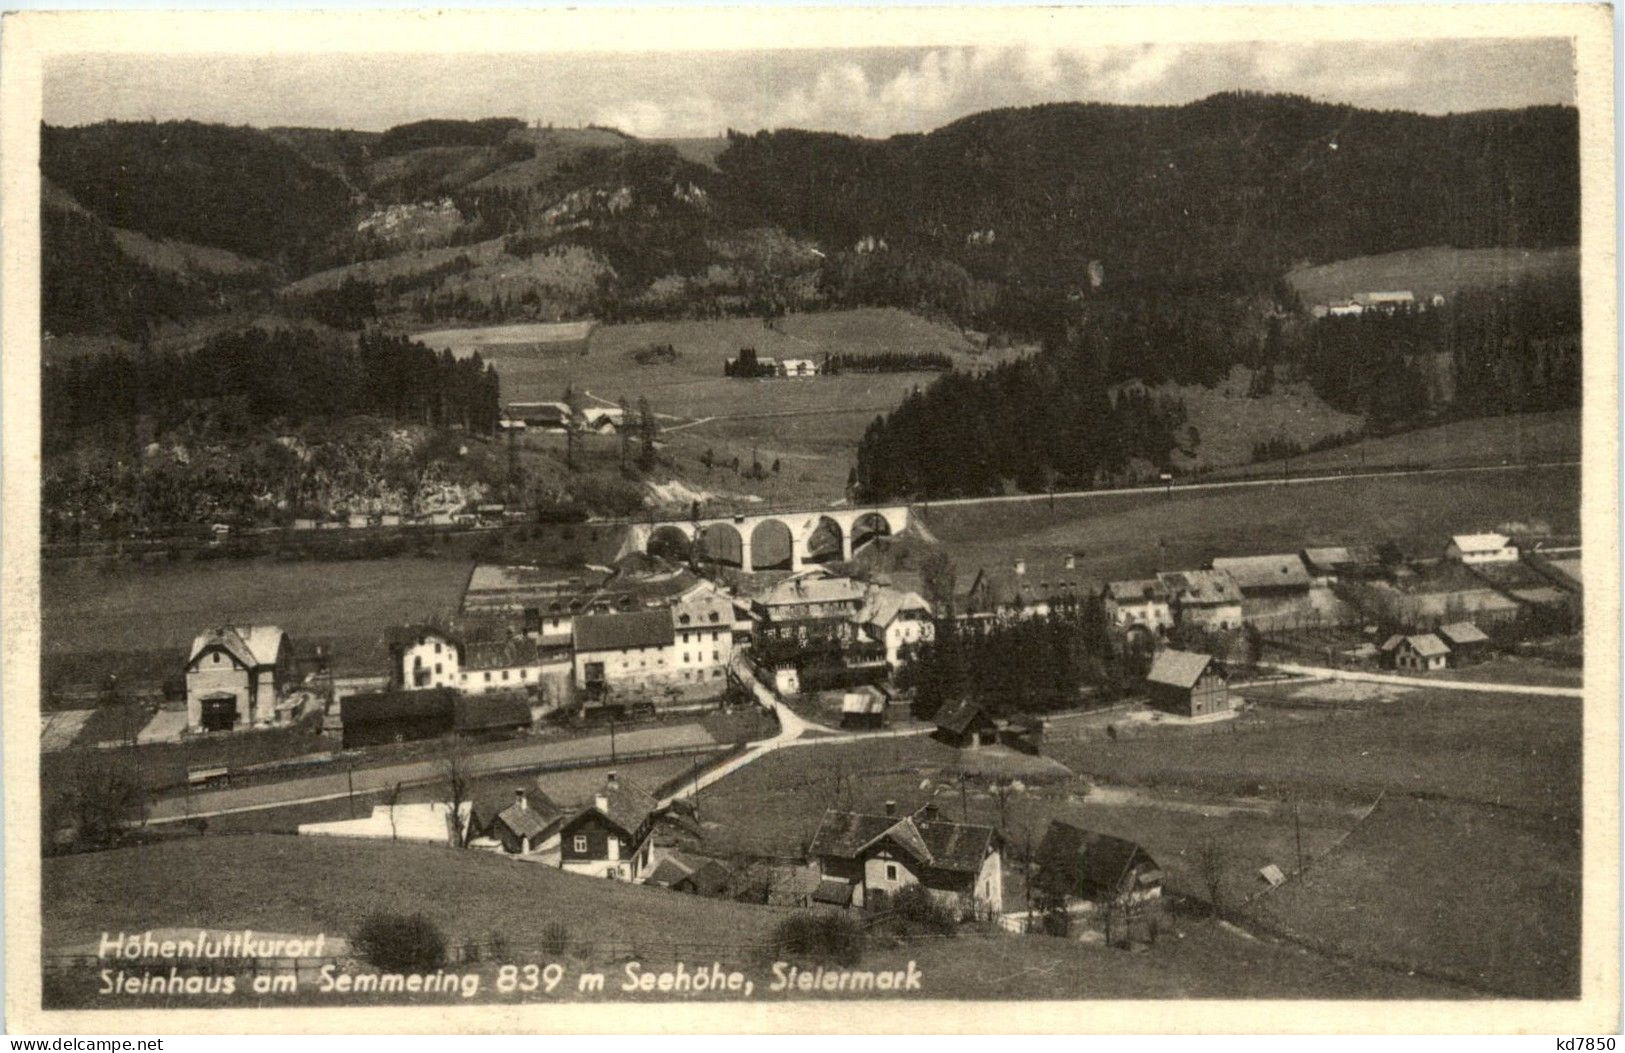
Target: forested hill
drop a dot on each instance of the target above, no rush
(1235, 188)
(205, 184)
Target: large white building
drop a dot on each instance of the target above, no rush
(236, 677)
(1481, 548)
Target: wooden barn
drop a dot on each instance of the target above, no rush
(1188, 684)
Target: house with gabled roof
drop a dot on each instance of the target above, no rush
(235, 677)
(612, 835)
(624, 651)
(1082, 864)
(1139, 603)
(1421, 652)
(865, 859)
(1206, 598)
(526, 825)
(1187, 684)
(1481, 548)
(1465, 640)
(966, 724)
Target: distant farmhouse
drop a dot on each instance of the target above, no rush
(1188, 684)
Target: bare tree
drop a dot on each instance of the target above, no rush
(458, 787)
(392, 799)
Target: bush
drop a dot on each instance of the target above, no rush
(916, 911)
(828, 937)
(555, 938)
(400, 943)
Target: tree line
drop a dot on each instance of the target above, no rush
(260, 375)
(1030, 665)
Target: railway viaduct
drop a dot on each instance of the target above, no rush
(777, 539)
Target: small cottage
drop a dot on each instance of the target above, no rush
(1466, 641)
(966, 725)
(1187, 684)
(863, 708)
(864, 860)
(1421, 653)
(1082, 864)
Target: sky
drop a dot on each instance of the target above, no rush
(873, 92)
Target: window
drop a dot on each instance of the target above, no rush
(891, 871)
(716, 656)
(579, 843)
(437, 669)
(487, 676)
(437, 647)
(504, 674)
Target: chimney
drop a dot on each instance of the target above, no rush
(891, 807)
(602, 803)
(1071, 561)
(929, 812)
(1021, 566)
(521, 800)
(610, 779)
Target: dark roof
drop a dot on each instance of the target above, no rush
(612, 632)
(501, 654)
(1077, 856)
(960, 716)
(404, 636)
(935, 842)
(628, 805)
(529, 822)
(398, 705)
(479, 712)
(1283, 570)
(710, 878)
(1178, 668)
(506, 810)
(668, 872)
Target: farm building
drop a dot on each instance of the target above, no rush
(1328, 565)
(554, 415)
(1465, 639)
(798, 367)
(631, 651)
(1081, 864)
(681, 872)
(1139, 603)
(398, 716)
(1481, 548)
(491, 716)
(864, 860)
(1420, 652)
(966, 725)
(236, 677)
(1188, 684)
(1206, 598)
(1275, 589)
(863, 708)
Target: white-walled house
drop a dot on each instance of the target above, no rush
(900, 619)
(1481, 548)
(1141, 602)
(702, 635)
(424, 657)
(235, 676)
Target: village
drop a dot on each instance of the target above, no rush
(612, 670)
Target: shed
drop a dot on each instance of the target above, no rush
(491, 715)
(397, 716)
(863, 707)
(966, 725)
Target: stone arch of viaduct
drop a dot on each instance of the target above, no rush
(771, 540)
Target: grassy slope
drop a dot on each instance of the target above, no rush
(134, 607)
(283, 884)
(1426, 271)
(1131, 535)
(1465, 890)
(1550, 436)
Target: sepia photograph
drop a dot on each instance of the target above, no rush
(706, 524)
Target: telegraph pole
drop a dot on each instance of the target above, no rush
(1297, 833)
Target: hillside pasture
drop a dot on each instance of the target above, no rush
(1424, 272)
(135, 607)
(1136, 534)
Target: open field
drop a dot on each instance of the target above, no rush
(1132, 535)
(1478, 893)
(132, 607)
(308, 885)
(1517, 753)
(1438, 269)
